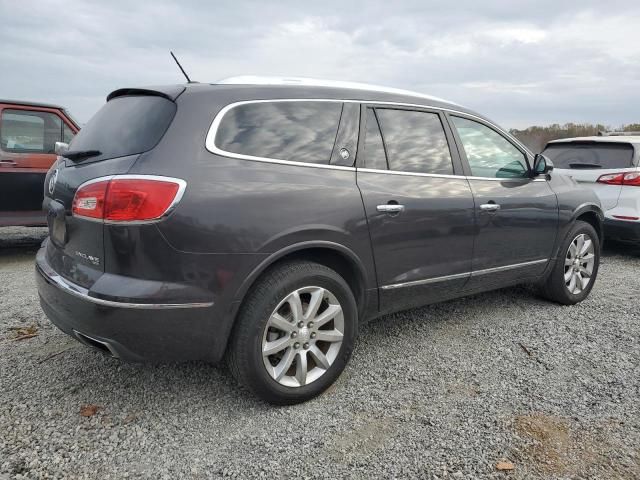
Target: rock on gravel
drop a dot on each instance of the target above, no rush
(445, 391)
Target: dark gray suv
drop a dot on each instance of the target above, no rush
(263, 221)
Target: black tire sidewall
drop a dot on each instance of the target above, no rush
(558, 282)
(261, 308)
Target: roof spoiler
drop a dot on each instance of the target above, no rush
(602, 133)
(169, 92)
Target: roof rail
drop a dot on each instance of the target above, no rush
(602, 133)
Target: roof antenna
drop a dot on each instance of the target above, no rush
(181, 69)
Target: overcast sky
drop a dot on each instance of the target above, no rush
(520, 63)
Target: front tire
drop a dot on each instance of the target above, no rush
(294, 334)
(576, 268)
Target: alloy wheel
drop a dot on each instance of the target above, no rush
(303, 336)
(579, 263)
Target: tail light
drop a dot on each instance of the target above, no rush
(628, 178)
(127, 198)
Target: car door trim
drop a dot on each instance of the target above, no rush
(457, 276)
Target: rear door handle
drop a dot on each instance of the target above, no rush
(490, 207)
(9, 163)
(390, 208)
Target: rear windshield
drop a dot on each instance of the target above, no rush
(125, 126)
(590, 155)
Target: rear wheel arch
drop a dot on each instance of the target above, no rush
(335, 256)
(592, 215)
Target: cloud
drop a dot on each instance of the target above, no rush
(519, 63)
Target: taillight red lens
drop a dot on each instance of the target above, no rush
(611, 178)
(628, 178)
(632, 178)
(89, 200)
(127, 199)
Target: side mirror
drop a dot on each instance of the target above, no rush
(61, 148)
(542, 165)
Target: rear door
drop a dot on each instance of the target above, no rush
(419, 208)
(586, 161)
(516, 215)
(27, 141)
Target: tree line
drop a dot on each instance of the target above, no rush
(537, 137)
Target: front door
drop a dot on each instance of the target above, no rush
(516, 215)
(419, 209)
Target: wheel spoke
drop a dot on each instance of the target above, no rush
(319, 357)
(586, 247)
(301, 367)
(572, 283)
(281, 323)
(568, 274)
(572, 250)
(579, 244)
(585, 271)
(584, 281)
(296, 306)
(568, 262)
(329, 335)
(276, 346)
(330, 313)
(282, 367)
(314, 304)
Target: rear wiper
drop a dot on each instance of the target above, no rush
(79, 155)
(584, 165)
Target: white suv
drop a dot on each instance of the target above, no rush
(609, 165)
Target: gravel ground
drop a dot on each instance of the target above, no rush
(448, 390)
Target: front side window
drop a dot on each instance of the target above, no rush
(67, 134)
(24, 131)
(415, 141)
(295, 131)
(489, 153)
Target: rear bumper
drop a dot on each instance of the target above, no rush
(130, 331)
(628, 231)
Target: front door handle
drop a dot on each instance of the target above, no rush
(9, 163)
(490, 207)
(390, 208)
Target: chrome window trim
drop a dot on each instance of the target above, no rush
(80, 292)
(213, 130)
(471, 274)
(182, 186)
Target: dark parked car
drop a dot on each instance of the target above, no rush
(28, 133)
(266, 222)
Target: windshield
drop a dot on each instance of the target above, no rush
(125, 126)
(590, 155)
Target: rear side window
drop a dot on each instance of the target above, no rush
(374, 156)
(125, 126)
(296, 131)
(415, 141)
(25, 131)
(576, 155)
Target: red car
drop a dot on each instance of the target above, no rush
(28, 134)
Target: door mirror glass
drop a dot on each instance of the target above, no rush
(542, 165)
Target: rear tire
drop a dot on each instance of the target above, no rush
(576, 268)
(294, 334)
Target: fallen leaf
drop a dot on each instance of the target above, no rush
(22, 333)
(504, 466)
(89, 410)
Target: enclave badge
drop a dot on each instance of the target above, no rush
(52, 181)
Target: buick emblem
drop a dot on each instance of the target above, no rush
(52, 181)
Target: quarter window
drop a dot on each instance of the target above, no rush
(415, 141)
(489, 153)
(297, 131)
(374, 156)
(24, 131)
